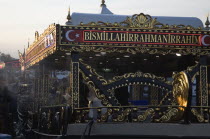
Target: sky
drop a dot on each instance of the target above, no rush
(19, 19)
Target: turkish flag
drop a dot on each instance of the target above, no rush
(73, 35)
(206, 40)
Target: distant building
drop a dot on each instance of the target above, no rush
(12, 64)
(10, 70)
(2, 65)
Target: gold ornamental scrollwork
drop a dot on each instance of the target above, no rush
(194, 76)
(189, 69)
(137, 74)
(147, 113)
(105, 116)
(169, 115)
(93, 72)
(92, 85)
(125, 76)
(122, 117)
(141, 21)
(199, 116)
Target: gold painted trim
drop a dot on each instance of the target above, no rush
(134, 50)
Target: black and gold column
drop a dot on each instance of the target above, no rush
(36, 95)
(204, 88)
(74, 80)
(203, 82)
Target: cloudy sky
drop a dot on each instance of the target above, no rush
(19, 19)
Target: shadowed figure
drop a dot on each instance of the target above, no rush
(7, 109)
(94, 102)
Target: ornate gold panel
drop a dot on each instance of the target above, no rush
(180, 92)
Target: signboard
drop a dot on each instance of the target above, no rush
(121, 37)
(42, 44)
(13, 64)
(50, 39)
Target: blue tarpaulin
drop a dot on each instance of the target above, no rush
(5, 136)
(139, 102)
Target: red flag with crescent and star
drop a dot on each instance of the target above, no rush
(74, 35)
(205, 40)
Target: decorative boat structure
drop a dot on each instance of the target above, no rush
(105, 75)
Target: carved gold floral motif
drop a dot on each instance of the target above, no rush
(180, 91)
(141, 21)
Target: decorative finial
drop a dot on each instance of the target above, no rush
(28, 42)
(103, 3)
(104, 9)
(24, 49)
(68, 18)
(36, 36)
(207, 22)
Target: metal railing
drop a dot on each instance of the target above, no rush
(54, 119)
(146, 114)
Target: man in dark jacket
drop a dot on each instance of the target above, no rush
(4, 108)
(8, 108)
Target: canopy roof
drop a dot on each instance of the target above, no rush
(86, 18)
